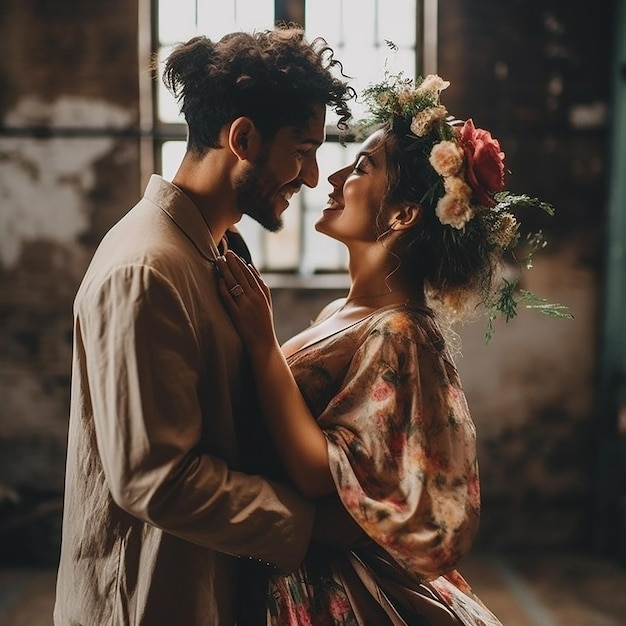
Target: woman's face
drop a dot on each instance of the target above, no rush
(358, 190)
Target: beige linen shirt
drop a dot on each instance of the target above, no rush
(163, 419)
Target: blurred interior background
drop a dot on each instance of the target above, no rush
(83, 123)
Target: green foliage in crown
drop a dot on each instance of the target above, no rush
(468, 181)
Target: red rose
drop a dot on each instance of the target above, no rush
(484, 162)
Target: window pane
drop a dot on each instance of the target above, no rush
(399, 25)
(276, 251)
(321, 253)
(172, 153)
(254, 236)
(357, 31)
(179, 20)
(166, 106)
(218, 17)
(283, 249)
(176, 20)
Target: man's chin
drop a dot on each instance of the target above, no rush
(273, 227)
(270, 222)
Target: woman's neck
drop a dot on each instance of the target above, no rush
(378, 283)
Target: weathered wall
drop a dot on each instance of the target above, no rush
(536, 76)
(69, 90)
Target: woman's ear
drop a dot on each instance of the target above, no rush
(405, 217)
(244, 139)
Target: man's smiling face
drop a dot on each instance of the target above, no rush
(286, 162)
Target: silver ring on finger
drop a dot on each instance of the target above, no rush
(236, 291)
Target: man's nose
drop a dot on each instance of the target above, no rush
(310, 172)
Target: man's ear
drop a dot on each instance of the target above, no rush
(405, 217)
(244, 139)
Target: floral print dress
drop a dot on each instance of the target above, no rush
(402, 452)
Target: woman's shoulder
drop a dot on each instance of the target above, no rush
(329, 309)
(406, 319)
(410, 325)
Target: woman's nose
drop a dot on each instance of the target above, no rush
(338, 178)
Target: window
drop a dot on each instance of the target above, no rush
(357, 30)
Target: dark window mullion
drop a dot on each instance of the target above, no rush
(290, 11)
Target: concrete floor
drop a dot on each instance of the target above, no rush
(522, 590)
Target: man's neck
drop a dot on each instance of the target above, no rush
(207, 184)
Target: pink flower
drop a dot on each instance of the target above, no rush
(446, 157)
(339, 607)
(484, 162)
(302, 616)
(381, 391)
(351, 497)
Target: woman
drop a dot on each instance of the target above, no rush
(367, 403)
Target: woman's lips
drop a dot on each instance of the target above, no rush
(333, 205)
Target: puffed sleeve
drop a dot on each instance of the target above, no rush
(402, 449)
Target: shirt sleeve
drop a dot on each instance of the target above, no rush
(402, 449)
(143, 363)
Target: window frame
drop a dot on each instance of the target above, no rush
(154, 133)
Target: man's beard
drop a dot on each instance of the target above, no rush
(253, 190)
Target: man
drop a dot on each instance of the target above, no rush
(164, 493)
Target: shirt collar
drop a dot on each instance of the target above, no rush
(183, 212)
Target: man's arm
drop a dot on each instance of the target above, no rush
(143, 363)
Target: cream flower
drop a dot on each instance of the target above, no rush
(423, 121)
(433, 84)
(405, 97)
(446, 157)
(454, 211)
(457, 187)
(383, 98)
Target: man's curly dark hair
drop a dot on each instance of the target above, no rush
(275, 77)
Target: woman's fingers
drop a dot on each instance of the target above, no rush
(227, 296)
(246, 303)
(261, 282)
(239, 269)
(241, 278)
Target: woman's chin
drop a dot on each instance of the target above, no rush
(328, 232)
(320, 226)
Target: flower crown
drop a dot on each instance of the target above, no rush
(468, 179)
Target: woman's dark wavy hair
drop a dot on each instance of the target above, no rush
(275, 77)
(458, 267)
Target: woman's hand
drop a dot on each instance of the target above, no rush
(248, 301)
(299, 440)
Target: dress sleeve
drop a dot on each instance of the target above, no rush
(402, 449)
